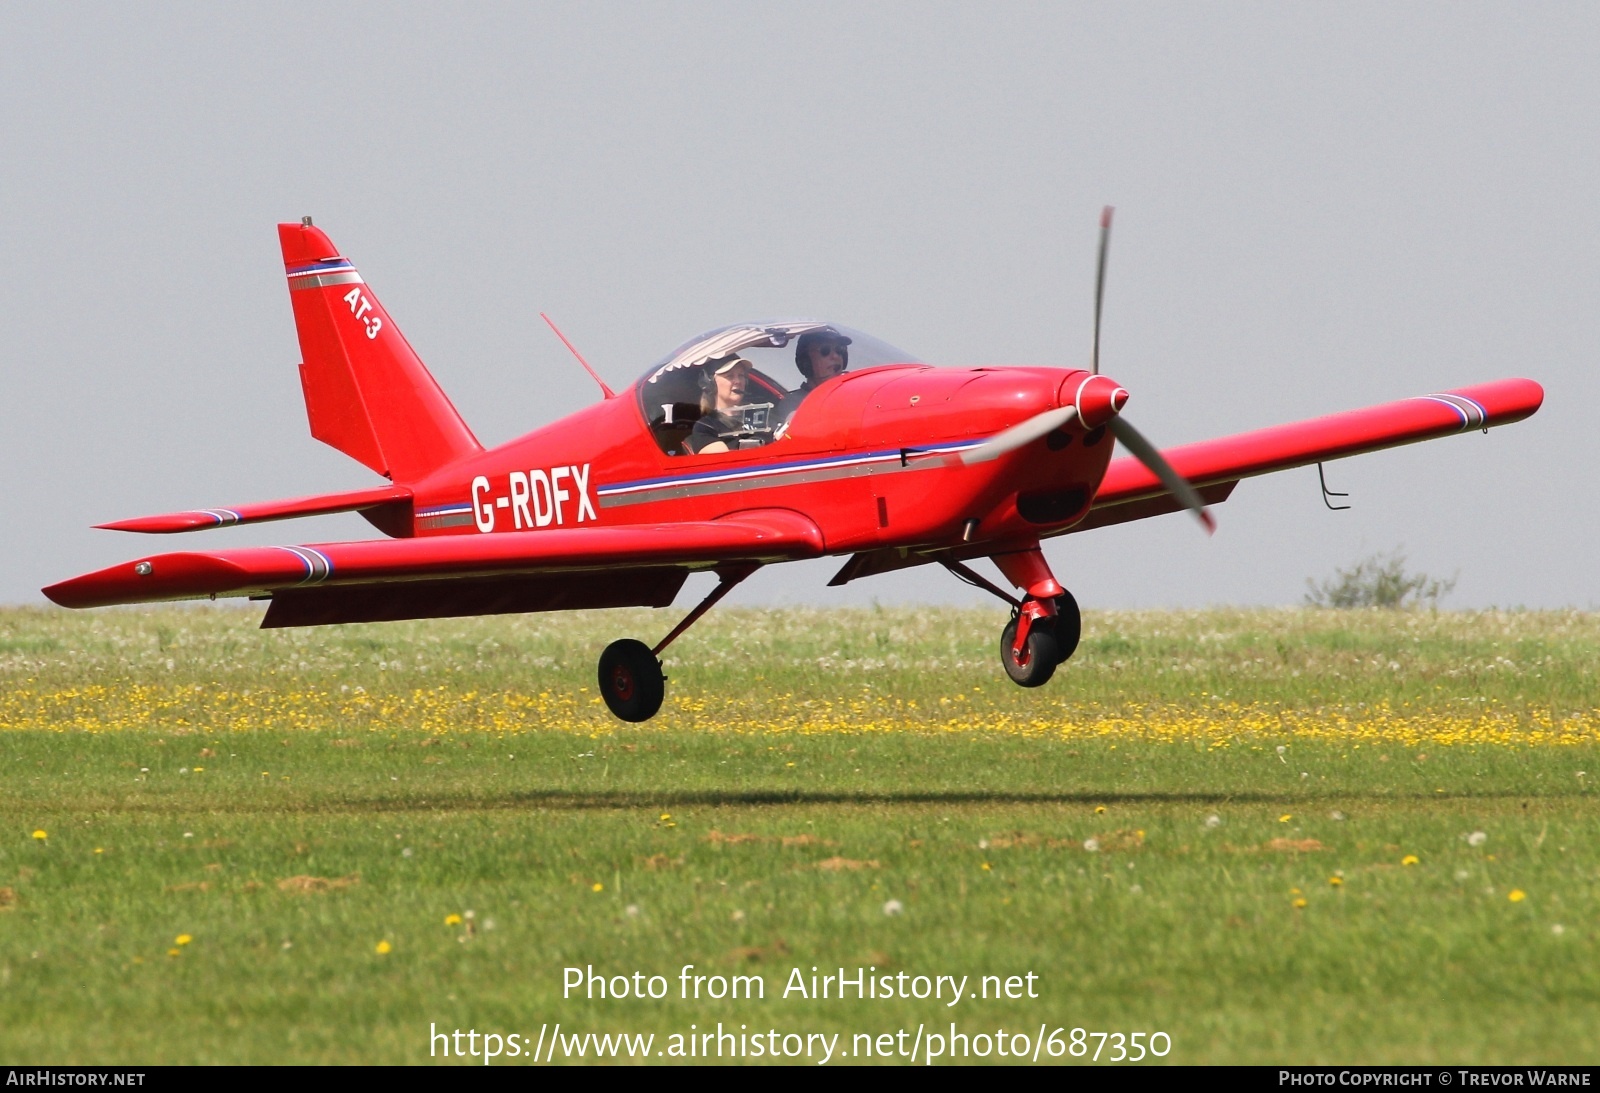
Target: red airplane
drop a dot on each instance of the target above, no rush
(709, 462)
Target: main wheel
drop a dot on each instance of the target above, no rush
(1043, 655)
(1068, 626)
(631, 681)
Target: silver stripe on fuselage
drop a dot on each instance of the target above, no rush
(298, 281)
(445, 520)
(767, 478)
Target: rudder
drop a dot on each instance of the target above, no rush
(367, 393)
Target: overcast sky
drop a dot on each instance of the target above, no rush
(1318, 207)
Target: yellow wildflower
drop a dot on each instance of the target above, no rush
(597, 887)
(1516, 895)
(1409, 859)
(41, 834)
(182, 939)
(1099, 809)
(384, 948)
(173, 952)
(1336, 881)
(1301, 903)
(1285, 818)
(452, 920)
(986, 868)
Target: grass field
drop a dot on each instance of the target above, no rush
(1276, 836)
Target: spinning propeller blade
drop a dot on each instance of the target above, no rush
(1025, 432)
(1108, 412)
(1147, 453)
(1100, 286)
(1129, 437)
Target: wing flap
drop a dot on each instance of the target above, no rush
(1318, 440)
(455, 598)
(757, 535)
(262, 511)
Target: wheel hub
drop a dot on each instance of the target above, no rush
(622, 683)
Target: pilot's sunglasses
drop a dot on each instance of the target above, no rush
(830, 350)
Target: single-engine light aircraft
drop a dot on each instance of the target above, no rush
(712, 461)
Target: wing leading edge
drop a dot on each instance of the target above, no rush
(1131, 492)
(758, 535)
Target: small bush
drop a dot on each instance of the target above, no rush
(1378, 581)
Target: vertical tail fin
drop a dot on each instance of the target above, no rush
(367, 393)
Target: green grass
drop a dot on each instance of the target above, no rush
(454, 766)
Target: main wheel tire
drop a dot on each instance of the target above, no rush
(1043, 655)
(1068, 628)
(631, 681)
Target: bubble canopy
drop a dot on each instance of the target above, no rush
(767, 346)
(679, 408)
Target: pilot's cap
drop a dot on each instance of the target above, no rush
(725, 364)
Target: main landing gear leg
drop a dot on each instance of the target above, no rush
(631, 680)
(1046, 627)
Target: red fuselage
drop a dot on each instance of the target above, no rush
(872, 457)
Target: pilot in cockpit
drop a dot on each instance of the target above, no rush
(728, 421)
(819, 355)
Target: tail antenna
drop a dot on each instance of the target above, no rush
(1100, 285)
(574, 351)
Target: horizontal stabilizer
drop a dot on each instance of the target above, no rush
(262, 511)
(760, 535)
(1301, 443)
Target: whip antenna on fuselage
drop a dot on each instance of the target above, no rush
(574, 351)
(1100, 286)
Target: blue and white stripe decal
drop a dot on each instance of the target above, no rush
(332, 271)
(731, 479)
(1473, 414)
(318, 566)
(223, 517)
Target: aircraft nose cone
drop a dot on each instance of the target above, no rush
(1098, 399)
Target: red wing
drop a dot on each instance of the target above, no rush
(321, 505)
(758, 535)
(1213, 463)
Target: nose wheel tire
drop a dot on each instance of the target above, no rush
(1068, 626)
(631, 680)
(1043, 654)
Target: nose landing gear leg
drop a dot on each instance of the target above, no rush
(631, 680)
(1045, 629)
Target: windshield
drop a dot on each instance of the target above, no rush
(680, 397)
(768, 346)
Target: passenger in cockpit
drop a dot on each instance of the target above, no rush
(819, 355)
(727, 421)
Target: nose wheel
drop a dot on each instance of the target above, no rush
(1051, 637)
(1031, 662)
(1044, 628)
(631, 680)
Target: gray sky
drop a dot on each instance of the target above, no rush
(1319, 207)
